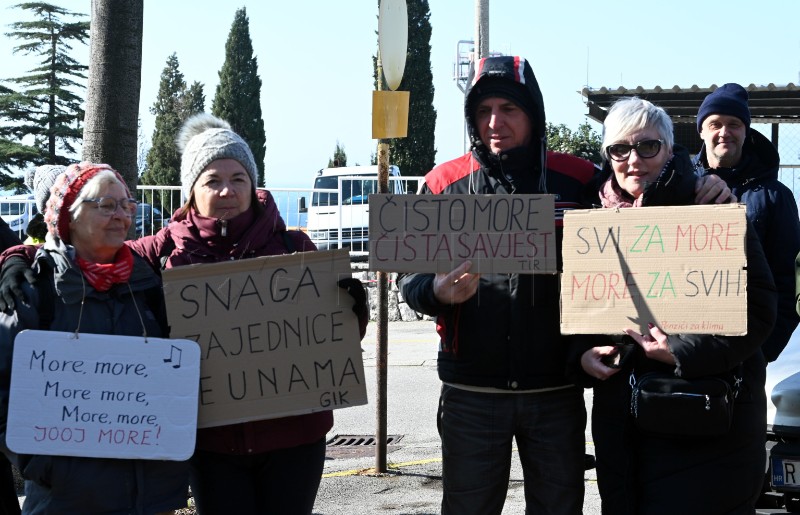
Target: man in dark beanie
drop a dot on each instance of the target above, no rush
(502, 358)
(749, 163)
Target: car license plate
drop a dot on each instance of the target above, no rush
(785, 471)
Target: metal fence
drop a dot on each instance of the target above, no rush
(17, 211)
(789, 150)
(337, 224)
(347, 227)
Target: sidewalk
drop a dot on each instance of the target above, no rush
(413, 483)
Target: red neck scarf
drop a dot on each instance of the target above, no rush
(103, 275)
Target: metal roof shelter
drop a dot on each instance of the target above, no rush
(769, 104)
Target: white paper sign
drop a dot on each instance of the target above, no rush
(103, 396)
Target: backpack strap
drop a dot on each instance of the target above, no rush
(47, 294)
(166, 251)
(153, 297)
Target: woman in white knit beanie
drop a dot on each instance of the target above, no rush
(263, 466)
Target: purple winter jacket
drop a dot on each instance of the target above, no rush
(251, 234)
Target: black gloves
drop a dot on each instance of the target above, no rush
(354, 288)
(15, 270)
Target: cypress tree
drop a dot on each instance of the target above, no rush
(339, 157)
(238, 96)
(194, 100)
(416, 153)
(173, 105)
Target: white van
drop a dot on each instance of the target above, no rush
(17, 211)
(336, 220)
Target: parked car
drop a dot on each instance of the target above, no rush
(149, 219)
(17, 211)
(782, 483)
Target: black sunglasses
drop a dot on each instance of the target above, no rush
(645, 149)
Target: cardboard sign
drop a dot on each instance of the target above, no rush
(103, 396)
(680, 268)
(436, 233)
(277, 335)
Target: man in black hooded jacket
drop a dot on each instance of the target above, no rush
(502, 357)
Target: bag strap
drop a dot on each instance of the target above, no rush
(738, 377)
(47, 294)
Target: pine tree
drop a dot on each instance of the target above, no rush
(416, 153)
(13, 154)
(173, 105)
(46, 107)
(339, 157)
(238, 95)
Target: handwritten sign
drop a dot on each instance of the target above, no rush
(277, 335)
(680, 268)
(436, 233)
(103, 396)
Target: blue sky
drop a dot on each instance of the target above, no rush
(314, 59)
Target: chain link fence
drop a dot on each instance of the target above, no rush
(789, 150)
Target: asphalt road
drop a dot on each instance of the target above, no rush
(412, 484)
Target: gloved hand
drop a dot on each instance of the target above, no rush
(356, 290)
(15, 270)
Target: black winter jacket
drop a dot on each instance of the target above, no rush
(507, 335)
(639, 473)
(772, 210)
(64, 484)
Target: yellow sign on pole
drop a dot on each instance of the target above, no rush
(389, 114)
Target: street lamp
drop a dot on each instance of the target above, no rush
(389, 120)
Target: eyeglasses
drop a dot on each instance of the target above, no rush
(645, 149)
(108, 205)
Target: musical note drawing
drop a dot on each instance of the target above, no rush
(172, 358)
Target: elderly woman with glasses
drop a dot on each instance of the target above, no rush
(90, 282)
(640, 473)
(263, 466)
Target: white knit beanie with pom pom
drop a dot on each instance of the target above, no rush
(205, 138)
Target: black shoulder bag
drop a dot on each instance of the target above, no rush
(675, 407)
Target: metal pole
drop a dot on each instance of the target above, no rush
(481, 29)
(382, 340)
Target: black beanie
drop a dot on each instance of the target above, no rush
(504, 88)
(729, 99)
